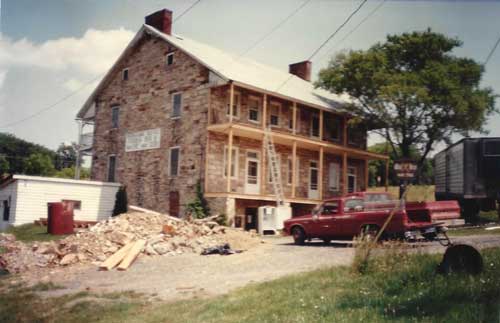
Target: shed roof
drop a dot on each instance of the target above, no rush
(231, 67)
(14, 178)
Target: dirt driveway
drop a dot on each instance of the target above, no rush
(187, 275)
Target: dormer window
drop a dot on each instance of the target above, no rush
(169, 59)
(125, 74)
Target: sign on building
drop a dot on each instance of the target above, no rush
(143, 140)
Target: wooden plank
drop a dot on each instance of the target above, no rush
(344, 173)
(264, 112)
(229, 160)
(320, 179)
(231, 102)
(132, 254)
(207, 146)
(116, 258)
(294, 168)
(367, 174)
(262, 168)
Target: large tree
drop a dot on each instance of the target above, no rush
(412, 90)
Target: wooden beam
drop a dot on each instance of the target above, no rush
(209, 112)
(231, 102)
(116, 258)
(263, 168)
(261, 197)
(320, 124)
(387, 175)
(132, 254)
(320, 179)
(264, 111)
(207, 145)
(345, 131)
(294, 168)
(367, 174)
(294, 118)
(344, 173)
(229, 160)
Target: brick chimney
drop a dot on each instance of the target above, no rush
(301, 69)
(161, 20)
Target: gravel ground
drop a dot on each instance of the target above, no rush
(187, 275)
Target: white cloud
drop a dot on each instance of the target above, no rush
(91, 54)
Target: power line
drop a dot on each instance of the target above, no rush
(492, 51)
(327, 54)
(327, 40)
(187, 10)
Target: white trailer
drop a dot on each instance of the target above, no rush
(23, 199)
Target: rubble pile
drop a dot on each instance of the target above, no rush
(164, 235)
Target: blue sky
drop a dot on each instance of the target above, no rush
(50, 48)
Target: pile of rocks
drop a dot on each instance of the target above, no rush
(164, 235)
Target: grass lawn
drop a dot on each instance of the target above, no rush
(395, 288)
(32, 232)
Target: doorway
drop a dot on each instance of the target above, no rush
(351, 179)
(313, 192)
(252, 178)
(251, 218)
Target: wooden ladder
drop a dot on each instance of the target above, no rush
(275, 167)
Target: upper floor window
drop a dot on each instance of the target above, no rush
(173, 165)
(125, 74)
(315, 125)
(253, 109)
(176, 105)
(274, 114)
(169, 59)
(115, 116)
(332, 128)
(111, 168)
(236, 104)
(290, 119)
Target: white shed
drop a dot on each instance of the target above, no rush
(23, 199)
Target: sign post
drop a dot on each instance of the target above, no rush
(405, 170)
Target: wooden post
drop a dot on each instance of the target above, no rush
(387, 175)
(205, 182)
(345, 131)
(231, 102)
(229, 160)
(367, 174)
(320, 179)
(294, 167)
(263, 169)
(344, 173)
(294, 118)
(320, 124)
(264, 112)
(209, 112)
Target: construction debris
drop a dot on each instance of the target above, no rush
(120, 240)
(224, 249)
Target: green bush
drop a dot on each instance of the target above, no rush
(198, 208)
(121, 201)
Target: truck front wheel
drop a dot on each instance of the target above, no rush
(299, 236)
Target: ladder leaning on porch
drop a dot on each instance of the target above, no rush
(275, 167)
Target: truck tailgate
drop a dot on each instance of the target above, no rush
(437, 211)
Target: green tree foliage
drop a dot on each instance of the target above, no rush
(39, 164)
(17, 152)
(4, 166)
(412, 90)
(377, 167)
(121, 201)
(69, 172)
(199, 207)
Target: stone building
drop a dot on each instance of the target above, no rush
(173, 112)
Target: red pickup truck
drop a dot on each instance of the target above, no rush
(343, 218)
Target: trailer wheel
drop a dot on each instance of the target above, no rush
(299, 236)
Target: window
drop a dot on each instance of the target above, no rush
(333, 177)
(169, 60)
(354, 205)
(173, 165)
(253, 109)
(115, 116)
(290, 119)
(234, 162)
(176, 105)
(274, 114)
(315, 125)
(236, 104)
(6, 210)
(491, 147)
(111, 168)
(125, 74)
(77, 205)
(330, 208)
(269, 175)
(332, 128)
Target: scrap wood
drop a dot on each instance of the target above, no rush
(116, 258)
(492, 228)
(132, 254)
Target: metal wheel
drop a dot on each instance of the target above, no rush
(299, 236)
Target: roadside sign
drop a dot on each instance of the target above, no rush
(405, 168)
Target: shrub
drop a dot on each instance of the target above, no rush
(121, 201)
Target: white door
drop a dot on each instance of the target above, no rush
(351, 179)
(313, 192)
(252, 178)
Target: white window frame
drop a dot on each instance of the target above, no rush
(278, 105)
(336, 186)
(236, 104)
(170, 161)
(107, 168)
(235, 157)
(172, 116)
(171, 54)
(259, 105)
(127, 72)
(114, 108)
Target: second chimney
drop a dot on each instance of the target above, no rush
(161, 20)
(301, 69)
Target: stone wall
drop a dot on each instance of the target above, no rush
(145, 101)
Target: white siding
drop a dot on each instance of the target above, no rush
(9, 191)
(97, 200)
